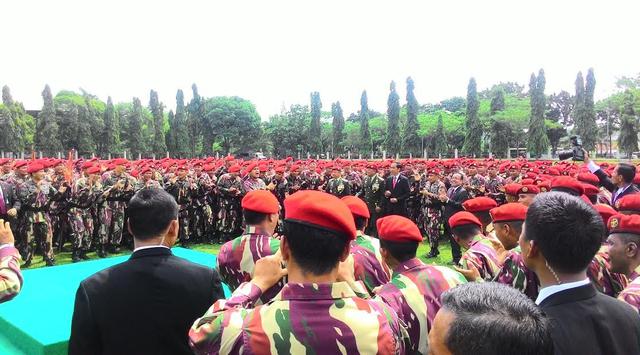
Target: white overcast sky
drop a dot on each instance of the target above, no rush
(275, 52)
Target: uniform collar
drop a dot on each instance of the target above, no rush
(635, 274)
(477, 239)
(255, 230)
(313, 291)
(407, 265)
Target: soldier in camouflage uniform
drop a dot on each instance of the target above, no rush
(86, 191)
(59, 210)
(431, 217)
(211, 205)
(237, 258)
(231, 191)
(372, 192)
(118, 186)
(624, 237)
(146, 180)
(5, 169)
(183, 189)
(305, 317)
(415, 288)
(10, 276)
(279, 187)
(479, 252)
(17, 179)
(354, 179)
(337, 186)
(35, 195)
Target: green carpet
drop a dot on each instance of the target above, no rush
(38, 320)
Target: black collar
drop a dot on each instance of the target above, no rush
(156, 251)
(571, 295)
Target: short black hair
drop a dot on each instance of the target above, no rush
(401, 251)
(627, 171)
(252, 217)
(150, 212)
(361, 222)
(566, 229)
(466, 231)
(483, 216)
(316, 250)
(494, 319)
(515, 225)
(398, 165)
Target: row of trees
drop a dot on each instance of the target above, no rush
(489, 121)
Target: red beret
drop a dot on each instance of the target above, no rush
(512, 189)
(34, 168)
(322, 210)
(636, 179)
(567, 183)
(605, 212)
(545, 186)
(590, 190)
(529, 189)
(479, 204)
(229, 158)
(261, 201)
(629, 203)
(621, 223)
(145, 170)
(462, 218)
(588, 178)
(4, 161)
(119, 161)
(93, 170)
(357, 206)
(509, 212)
(278, 170)
(527, 181)
(234, 168)
(398, 229)
(20, 164)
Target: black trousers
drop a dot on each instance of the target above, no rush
(455, 248)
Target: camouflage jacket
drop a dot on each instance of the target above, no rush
(483, 256)
(631, 294)
(301, 319)
(414, 294)
(183, 190)
(84, 195)
(35, 201)
(226, 182)
(10, 276)
(237, 258)
(367, 262)
(602, 278)
(516, 274)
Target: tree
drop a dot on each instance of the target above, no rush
(288, 131)
(181, 128)
(47, 137)
(590, 139)
(559, 107)
(338, 127)
(393, 118)
(170, 137)
(110, 134)
(500, 132)
(85, 144)
(585, 125)
(233, 121)
(411, 142)
(628, 138)
(497, 101)
(365, 133)
(315, 127)
(157, 110)
(537, 142)
(195, 120)
(136, 140)
(440, 139)
(15, 124)
(472, 140)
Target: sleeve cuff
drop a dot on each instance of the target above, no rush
(593, 167)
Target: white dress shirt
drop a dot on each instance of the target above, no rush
(149, 247)
(551, 290)
(593, 167)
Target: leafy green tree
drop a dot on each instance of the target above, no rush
(590, 139)
(315, 131)
(440, 139)
(195, 121)
(497, 101)
(136, 140)
(472, 140)
(585, 125)
(393, 120)
(233, 121)
(500, 132)
(170, 137)
(555, 131)
(628, 138)
(559, 107)
(85, 143)
(365, 133)
(537, 142)
(111, 137)
(287, 131)
(12, 116)
(47, 139)
(157, 110)
(338, 127)
(454, 104)
(181, 127)
(411, 143)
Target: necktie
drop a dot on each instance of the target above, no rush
(395, 179)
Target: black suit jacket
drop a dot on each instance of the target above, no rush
(607, 184)
(401, 191)
(454, 205)
(585, 321)
(145, 305)
(10, 198)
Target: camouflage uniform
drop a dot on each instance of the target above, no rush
(112, 218)
(237, 258)
(431, 221)
(602, 278)
(631, 294)
(58, 211)
(82, 199)
(483, 256)
(414, 294)
(183, 191)
(516, 274)
(250, 184)
(280, 191)
(338, 187)
(17, 182)
(367, 262)
(373, 194)
(355, 182)
(302, 318)
(230, 211)
(10, 276)
(36, 223)
(199, 206)
(476, 184)
(149, 184)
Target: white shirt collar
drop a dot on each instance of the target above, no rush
(551, 290)
(149, 247)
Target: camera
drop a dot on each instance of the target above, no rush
(576, 150)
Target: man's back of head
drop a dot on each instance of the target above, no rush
(151, 212)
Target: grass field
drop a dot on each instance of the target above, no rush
(65, 257)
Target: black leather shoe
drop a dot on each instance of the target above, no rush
(50, 261)
(433, 254)
(75, 256)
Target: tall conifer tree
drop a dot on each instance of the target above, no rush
(393, 121)
(473, 138)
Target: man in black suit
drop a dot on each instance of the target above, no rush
(147, 304)
(452, 202)
(396, 192)
(9, 202)
(561, 235)
(621, 182)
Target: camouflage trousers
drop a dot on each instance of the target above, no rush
(230, 218)
(198, 222)
(81, 223)
(113, 219)
(36, 232)
(209, 221)
(183, 220)
(104, 222)
(431, 222)
(372, 229)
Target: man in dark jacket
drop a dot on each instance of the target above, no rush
(621, 182)
(147, 304)
(396, 192)
(561, 235)
(452, 202)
